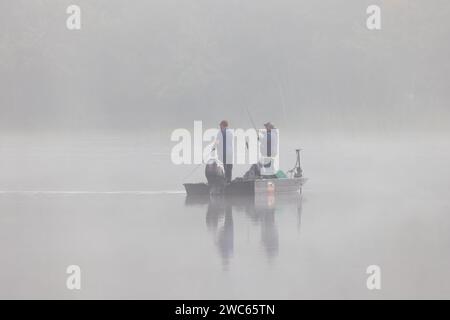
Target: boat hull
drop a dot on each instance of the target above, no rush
(250, 187)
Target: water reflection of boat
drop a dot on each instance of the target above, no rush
(261, 210)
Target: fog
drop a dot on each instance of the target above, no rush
(152, 65)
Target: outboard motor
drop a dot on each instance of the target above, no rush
(215, 174)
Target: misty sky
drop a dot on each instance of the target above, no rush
(153, 64)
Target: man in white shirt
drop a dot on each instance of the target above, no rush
(225, 149)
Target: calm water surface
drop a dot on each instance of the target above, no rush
(100, 205)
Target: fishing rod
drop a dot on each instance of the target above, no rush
(198, 166)
(252, 122)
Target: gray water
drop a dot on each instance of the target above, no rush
(115, 207)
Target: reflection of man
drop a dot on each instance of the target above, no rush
(219, 219)
(269, 232)
(265, 211)
(268, 149)
(225, 237)
(225, 148)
